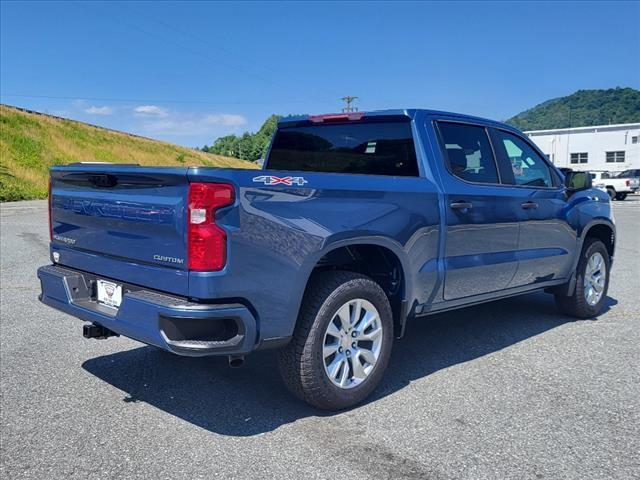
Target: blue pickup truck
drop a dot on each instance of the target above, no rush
(357, 223)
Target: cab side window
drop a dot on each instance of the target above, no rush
(468, 152)
(528, 167)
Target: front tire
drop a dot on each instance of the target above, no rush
(341, 343)
(592, 282)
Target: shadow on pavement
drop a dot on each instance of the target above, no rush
(253, 400)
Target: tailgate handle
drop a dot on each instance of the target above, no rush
(103, 180)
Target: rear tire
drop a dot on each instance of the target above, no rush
(318, 345)
(612, 193)
(621, 196)
(581, 304)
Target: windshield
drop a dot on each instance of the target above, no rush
(384, 148)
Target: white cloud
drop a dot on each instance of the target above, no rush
(226, 119)
(151, 111)
(99, 110)
(193, 124)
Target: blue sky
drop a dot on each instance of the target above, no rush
(190, 72)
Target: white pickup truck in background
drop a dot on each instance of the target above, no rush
(618, 188)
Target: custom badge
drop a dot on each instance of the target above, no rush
(273, 180)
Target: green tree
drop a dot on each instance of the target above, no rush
(227, 146)
(249, 146)
(245, 146)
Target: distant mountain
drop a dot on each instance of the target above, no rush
(581, 109)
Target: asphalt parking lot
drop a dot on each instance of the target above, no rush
(504, 390)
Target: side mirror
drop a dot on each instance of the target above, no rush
(576, 181)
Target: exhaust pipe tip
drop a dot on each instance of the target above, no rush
(236, 361)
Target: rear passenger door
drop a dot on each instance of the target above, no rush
(546, 239)
(481, 217)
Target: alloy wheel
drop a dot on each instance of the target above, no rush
(594, 278)
(352, 343)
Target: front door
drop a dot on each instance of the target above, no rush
(546, 239)
(481, 216)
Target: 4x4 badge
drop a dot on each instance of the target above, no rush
(273, 180)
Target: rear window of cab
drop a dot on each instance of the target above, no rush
(370, 148)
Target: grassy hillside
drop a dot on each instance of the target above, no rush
(581, 109)
(31, 143)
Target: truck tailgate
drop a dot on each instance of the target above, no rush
(131, 214)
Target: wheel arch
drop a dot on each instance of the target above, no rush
(601, 229)
(357, 254)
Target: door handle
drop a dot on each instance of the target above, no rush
(461, 205)
(529, 205)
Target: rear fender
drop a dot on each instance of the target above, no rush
(336, 242)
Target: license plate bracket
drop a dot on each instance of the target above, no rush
(109, 293)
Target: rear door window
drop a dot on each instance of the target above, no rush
(468, 152)
(375, 148)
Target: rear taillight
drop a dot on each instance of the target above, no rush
(628, 182)
(50, 213)
(207, 241)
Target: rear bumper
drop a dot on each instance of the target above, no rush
(169, 322)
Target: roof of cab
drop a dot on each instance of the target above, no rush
(407, 112)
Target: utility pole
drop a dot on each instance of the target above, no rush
(347, 104)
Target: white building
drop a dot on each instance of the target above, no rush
(602, 147)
